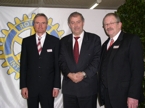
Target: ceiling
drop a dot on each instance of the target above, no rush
(82, 4)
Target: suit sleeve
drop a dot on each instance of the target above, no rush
(137, 68)
(23, 65)
(62, 62)
(57, 80)
(93, 66)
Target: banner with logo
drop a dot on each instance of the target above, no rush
(16, 24)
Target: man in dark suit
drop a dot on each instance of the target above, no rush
(121, 69)
(39, 69)
(79, 60)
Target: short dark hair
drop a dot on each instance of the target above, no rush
(74, 14)
(112, 14)
(40, 14)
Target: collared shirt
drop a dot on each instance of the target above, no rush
(80, 40)
(42, 38)
(114, 38)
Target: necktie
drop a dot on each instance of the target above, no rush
(39, 45)
(111, 42)
(76, 49)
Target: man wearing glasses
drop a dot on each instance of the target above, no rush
(121, 67)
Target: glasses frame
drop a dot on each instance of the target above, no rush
(105, 25)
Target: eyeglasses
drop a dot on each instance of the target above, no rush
(105, 25)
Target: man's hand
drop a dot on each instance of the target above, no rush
(132, 103)
(80, 76)
(55, 92)
(72, 76)
(24, 93)
(76, 77)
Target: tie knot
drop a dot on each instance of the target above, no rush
(39, 38)
(112, 40)
(76, 38)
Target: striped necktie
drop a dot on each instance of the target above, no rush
(111, 42)
(39, 47)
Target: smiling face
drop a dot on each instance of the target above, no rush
(76, 24)
(40, 25)
(111, 25)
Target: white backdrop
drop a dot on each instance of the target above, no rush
(15, 24)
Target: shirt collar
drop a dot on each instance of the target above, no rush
(81, 35)
(116, 36)
(43, 36)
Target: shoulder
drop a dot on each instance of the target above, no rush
(91, 35)
(29, 38)
(130, 37)
(52, 38)
(65, 38)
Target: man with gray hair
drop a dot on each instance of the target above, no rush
(121, 69)
(79, 61)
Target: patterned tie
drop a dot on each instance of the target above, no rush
(111, 42)
(76, 50)
(39, 45)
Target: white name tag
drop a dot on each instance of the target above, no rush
(115, 47)
(49, 50)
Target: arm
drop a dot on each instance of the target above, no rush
(23, 65)
(57, 80)
(93, 66)
(62, 62)
(136, 67)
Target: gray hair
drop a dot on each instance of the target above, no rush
(40, 14)
(112, 14)
(74, 14)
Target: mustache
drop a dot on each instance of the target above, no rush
(109, 29)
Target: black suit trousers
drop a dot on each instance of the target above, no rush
(71, 101)
(45, 102)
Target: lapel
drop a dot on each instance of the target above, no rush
(46, 42)
(83, 48)
(104, 51)
(34, 43)
(70, 48)
(117, 43)
(104, 47)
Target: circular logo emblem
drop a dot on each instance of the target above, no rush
(11, 43)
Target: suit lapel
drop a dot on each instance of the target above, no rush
(70, 48)
(46, 42)
(115, 47)
(104, 51)
(83, 48)
(34, 43)
(104, 47)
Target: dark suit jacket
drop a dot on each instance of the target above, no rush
(88, 62)
(39, 73)
(124, 69)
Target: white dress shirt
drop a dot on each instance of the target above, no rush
(114, 38)
(42, 38)
(80, 40)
